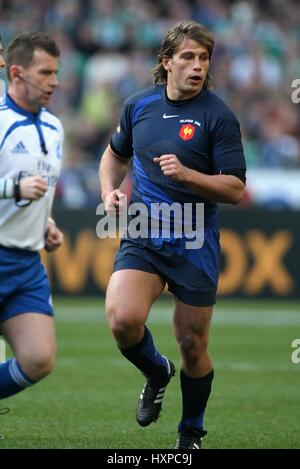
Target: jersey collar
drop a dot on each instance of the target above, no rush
(12, 105)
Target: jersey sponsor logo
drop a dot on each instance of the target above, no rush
(20, 148)
(187, 131)
(166, 116)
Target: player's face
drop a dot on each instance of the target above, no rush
(39, 80)
(2, 61)
(187, 70)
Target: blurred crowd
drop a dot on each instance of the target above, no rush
(110, 46)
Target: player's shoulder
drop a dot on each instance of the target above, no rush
(47, 117)
(8, 116)
(8, 111)
(154, 90)
(217, 106)
(3, 105)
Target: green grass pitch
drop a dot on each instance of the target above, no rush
(89, 400)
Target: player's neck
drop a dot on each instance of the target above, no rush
(177, 95)
(174, 94)
(22, 103)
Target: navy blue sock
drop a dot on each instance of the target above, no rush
(12, 378)
(147, 359)
(195, 394)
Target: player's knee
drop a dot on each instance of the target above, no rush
(37, 366)
(123, 327)
(192, 346)
(124, 324)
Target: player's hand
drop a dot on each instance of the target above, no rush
(53, 237)
(171, 166)
(115, 202)
(33, 187)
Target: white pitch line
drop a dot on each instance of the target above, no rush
(221, 316)
(223, 366)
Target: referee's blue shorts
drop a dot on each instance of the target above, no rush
(24, 285)
(191, 274)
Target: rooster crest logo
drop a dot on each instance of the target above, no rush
(187, 132)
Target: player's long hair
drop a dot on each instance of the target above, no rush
(173, 39)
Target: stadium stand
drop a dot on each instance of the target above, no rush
(109, 46)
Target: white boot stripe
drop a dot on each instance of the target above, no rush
(168, 364)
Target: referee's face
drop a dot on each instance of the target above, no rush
(37, 82)
(187, 70)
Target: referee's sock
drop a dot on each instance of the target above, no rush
(147, 359)
(12, 378)
(195, 394)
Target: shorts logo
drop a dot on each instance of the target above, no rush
(187, 132)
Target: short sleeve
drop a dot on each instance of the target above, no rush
(121, 140)
(227, 148)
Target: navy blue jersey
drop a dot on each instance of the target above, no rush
(201, 131)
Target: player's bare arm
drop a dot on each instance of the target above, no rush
(219, 188)
(112, 171)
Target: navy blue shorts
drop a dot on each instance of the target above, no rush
(24, 286)
(191, 276)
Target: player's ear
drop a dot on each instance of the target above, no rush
(15, 71)
(166, 63)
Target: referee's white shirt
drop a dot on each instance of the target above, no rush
(30, 144)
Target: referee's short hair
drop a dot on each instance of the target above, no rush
(21, 48)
